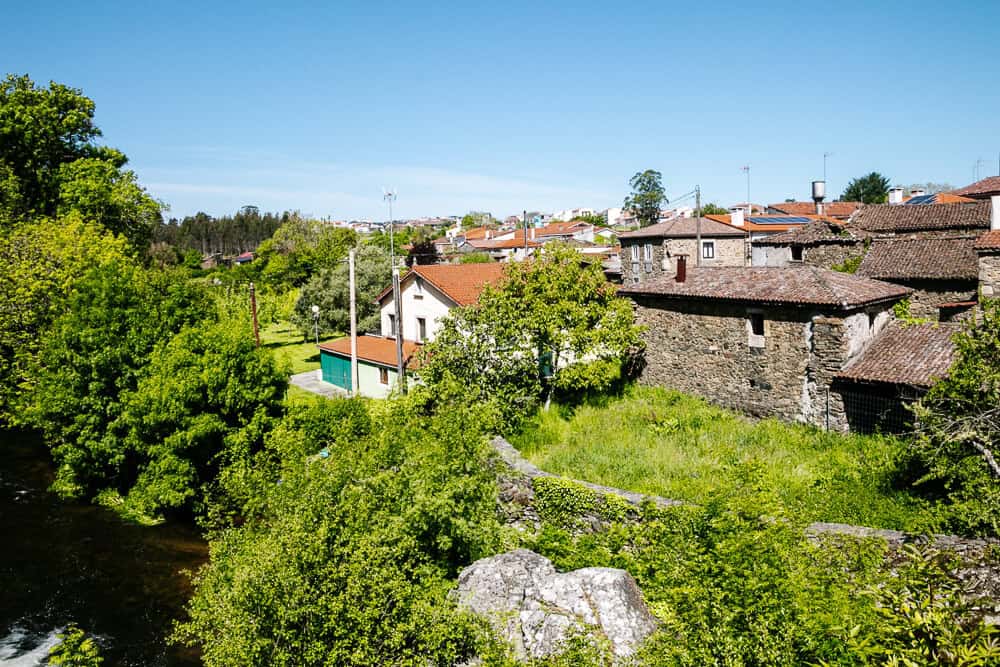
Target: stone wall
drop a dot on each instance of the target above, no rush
(707, 349)
(729, 251)
(989, 275)
(828, 255)
(928, 295)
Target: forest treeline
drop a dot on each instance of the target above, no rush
(229, 235)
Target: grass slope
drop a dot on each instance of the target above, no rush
(286, 341)
(662, 442)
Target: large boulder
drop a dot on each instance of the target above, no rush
(535, 608)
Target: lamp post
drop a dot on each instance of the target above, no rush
(315, 312)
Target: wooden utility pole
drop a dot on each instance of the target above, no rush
(397, 302)
(697, 206)
(354, 324)
(253, 310)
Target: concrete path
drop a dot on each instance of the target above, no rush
(311, 382)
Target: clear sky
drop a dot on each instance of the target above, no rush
(506, 106)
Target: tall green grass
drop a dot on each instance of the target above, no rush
(662, 442)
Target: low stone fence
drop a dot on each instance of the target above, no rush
(520, 505)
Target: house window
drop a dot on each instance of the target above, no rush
(757, 324)
(796, 253)
(418, 289)
(383, 375)
(647, 257)
(421, 329)
(755, 331)
(392, 326)
(708, 249)
(634, 250)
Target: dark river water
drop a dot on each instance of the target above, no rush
(64, 563)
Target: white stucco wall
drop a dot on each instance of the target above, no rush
(368, 381)
(419, 299)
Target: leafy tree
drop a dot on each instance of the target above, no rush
(330, 291)
(353, 555)
(593, 219)
(712, 209)
(422, 249)
(871, 188)
(40, 265)
(476, 219)
(49, 163)
(301, 248)
(475, 258)
(553, 315)
(958, 427)
(647, 196)
(201, 403)
(93, 358)
(75, 649)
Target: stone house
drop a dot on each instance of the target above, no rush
(767, 341)
(988, 250)
(898, 368)
(821, 243)
(943, 272)
(653, 251)
(840, 210)
(985, 189)
(921, 221)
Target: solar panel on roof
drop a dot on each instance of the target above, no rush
(922, 199)
(783, 220)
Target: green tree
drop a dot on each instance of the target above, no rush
(958, 427)
(93, 358)
(593, 219)
(871, 188)
(712, 209)
(347, 558)
(299, 249)
(554, 316)
(647, 196)
(40, 265)
(75, 649)
(330, 291)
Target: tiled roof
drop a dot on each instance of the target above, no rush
(684, 228)
(984, 188)
(773, 226)
(462, 283)
(503, 244)
(817, 232)
(912, 355)
(801, 285)
(989, 241)
(375, 349)
(925, 258)
(896, 218)
(936, 198)
(834, 209)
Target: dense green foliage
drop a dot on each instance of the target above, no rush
(330, 290)
(50, 165)
(959, 429)
(552, 325)
(712, 209)
(647, 197)
(229, 234)
(664, 443)
(75, 649)
(301, 248)
(871, 188)
(355, 527)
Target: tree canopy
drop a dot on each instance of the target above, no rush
(647, 197)
(871, 188)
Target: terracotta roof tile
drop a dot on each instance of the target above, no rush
(375, 349)
(795, 221)
(684, 228)
(833, 209)
(938, 198)
(898, 218)
(462, 283)
(989, 241)
(915, 355)
(802, 285)
(814, 233)
(984, 188)
(926, 258)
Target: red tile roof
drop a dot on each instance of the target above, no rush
(833, 209)
(684, 228)
(814, 233)
(921, 259)
(750, 226)
(801, 285)
(897, 218)
(462, 283)
(980, 189)
(916, 355)
(503, 244)
(942, 198)
(989, 241)
(376, 349)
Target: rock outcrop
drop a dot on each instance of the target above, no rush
(536, 608)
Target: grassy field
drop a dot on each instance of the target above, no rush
(661, 442)
(286, 341)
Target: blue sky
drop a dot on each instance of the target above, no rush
(506, 106)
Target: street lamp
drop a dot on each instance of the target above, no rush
(315, 311)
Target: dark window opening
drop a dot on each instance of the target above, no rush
(757, 324)
(383, 376)
(796, 253)
(421, 329)
(708, 250)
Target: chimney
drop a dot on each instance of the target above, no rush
(819, 194)
(995, 214)
(532, 233)
(896, 195)
(736, 216)
(918, 192)
(488, 234)
(681, 268)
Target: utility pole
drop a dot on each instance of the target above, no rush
(354, 323)
(746, 170)
(389, 196)
(396, 300)
(253, 310)
(697, 207)
(825, 156)
(524, 219)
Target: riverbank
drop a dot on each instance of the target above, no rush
(73, 563)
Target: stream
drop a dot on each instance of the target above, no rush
(65, 563)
